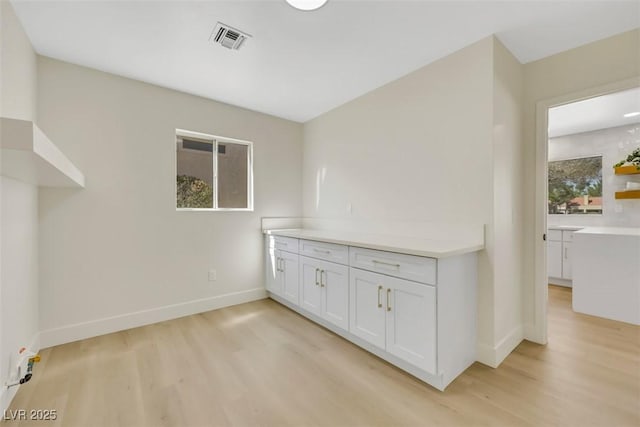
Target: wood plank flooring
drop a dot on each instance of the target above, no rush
(260, 364)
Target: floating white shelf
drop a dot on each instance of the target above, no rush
(29, 156)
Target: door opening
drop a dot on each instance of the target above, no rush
(579, 138)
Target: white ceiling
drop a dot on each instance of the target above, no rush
(601, 112)
(299, 65)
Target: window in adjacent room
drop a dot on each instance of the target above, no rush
(575, 186)
(213, 173)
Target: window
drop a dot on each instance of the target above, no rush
(575, 186)
(213, 173)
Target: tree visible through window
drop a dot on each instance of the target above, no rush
(213, 172)
(575, 186)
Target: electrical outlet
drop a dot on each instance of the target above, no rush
(213, 275)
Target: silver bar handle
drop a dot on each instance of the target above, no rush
(317, 282)
(388, 297)
(322, 284)
(379, 297)
(321, 251)
(565, 253)
(375, 261)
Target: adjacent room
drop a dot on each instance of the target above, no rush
(594, 192)
(319, 212)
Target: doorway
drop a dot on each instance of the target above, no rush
(568, 207)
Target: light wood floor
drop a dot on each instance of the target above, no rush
(262, 364)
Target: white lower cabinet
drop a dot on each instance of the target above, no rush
(282, 273)
(396, 315)
(566, 260)
(289, 276)
(559, 247)
(310, 291)
(324, 290)
(418, 313)
(554, 259)
(367, 315)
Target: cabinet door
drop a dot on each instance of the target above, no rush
(272, 261)
(334, 281)
(566, 260)
(411, 322)
(554, 259)
(310, 291)
(366, 311)
(289, 275)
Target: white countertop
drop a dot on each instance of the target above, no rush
(565, 227)
(407, 245)
(614, 231)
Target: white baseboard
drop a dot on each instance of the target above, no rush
(486, 354)
(560, 282)
(7, 394)
(493, 356)
(534, 335)
(507, 344)
(93, 328)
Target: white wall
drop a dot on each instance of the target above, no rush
(18, 207)
(597, 64)
(400, 153)
(508, 201)
(119, 247)
(18, 77)
(613, 144)
(19, 274)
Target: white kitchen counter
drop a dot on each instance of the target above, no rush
(613, 231)
(407, 245)
(565, 227)
(606, 272)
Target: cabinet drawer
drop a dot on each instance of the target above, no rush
(554, 235)
(288, 244)
(328, 251)
(419, 269)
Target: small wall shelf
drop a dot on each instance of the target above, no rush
(631, 194)
(29, 156)
(627, 170)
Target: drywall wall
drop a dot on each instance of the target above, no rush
(18, 77)
(399, 153)
(19, 275)
(4, 397)
(613, 144)
(597, 64)
(117, 254)
(18, 207)
(508, 201)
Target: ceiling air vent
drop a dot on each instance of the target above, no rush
(227, 36)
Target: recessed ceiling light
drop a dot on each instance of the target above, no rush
(635, 113)
(307, 4)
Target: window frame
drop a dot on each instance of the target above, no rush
(215, 140)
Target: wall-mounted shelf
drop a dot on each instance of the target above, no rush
(627, 170)
(29, 156)
(631, 194)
